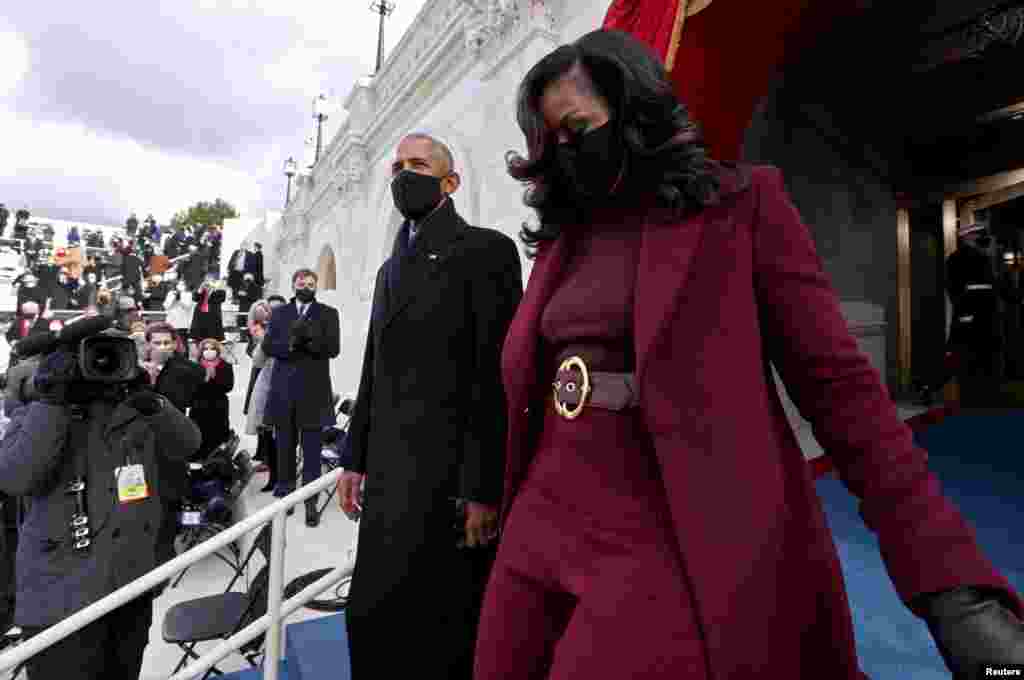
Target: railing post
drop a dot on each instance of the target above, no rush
(275, 591)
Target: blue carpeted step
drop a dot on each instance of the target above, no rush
(257, 673)
(976, 458)
(318, 649)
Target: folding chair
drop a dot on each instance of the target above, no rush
(218, 617)
(332, 457)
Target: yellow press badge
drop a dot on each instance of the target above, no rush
(131, 483)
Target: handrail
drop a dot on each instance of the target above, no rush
(274, 512)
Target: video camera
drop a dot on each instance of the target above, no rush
(102, 357)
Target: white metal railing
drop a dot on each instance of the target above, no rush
(271, 622)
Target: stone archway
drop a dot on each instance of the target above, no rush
(327, 269)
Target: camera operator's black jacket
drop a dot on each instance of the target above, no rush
(37, 458)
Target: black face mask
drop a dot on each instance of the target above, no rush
(416, 195)
(305, 295)
(591, 164)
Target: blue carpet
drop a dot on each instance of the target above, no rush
(977, 458)
(318, 649)
(314, 650)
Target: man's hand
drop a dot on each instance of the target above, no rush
(301, 331)
(481, 524)
(350, 496)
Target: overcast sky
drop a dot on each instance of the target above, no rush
(109, 106)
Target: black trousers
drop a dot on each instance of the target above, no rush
(266, 451)
(289, 438)
(8, 550)
(110, 647)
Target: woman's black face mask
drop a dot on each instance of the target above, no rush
(591, 162)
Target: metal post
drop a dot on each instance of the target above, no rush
(383, 8)
(275, 634)
(319, 130)
(288, 195)
(380, 42)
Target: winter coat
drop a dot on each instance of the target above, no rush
(263, 366)
(302, 376)
(178, 381)
(42, 450)
(211, 410)
(208, 324)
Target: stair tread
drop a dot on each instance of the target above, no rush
(318, 648)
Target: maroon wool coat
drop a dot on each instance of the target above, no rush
(717, 297)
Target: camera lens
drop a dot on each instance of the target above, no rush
(109, 359)
(104, 361)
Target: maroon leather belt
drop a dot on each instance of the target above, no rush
(576, 387)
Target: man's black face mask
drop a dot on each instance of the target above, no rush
(416, 195)
(591, 163)
(305, 295)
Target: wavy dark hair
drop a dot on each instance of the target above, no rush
(664, 150)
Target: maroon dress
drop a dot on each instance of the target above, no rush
(567, 588)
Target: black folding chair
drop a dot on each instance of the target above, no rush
(218, 617)
(331, 455)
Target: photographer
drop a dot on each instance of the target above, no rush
(85, 440)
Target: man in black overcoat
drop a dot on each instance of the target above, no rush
(429, 425)
(302, 336)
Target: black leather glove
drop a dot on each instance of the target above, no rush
(301, 332)
(971, 628)
(146, 402)
(55, 376)
(301, 337)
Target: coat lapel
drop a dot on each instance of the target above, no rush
(666, 254)
(439, 232)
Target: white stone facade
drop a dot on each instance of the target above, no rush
(454, 74)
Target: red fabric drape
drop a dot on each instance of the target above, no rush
(729, 54)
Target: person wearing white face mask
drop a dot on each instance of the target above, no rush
(211, 411)
(180, 306)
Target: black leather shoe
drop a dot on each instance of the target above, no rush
(312, 516)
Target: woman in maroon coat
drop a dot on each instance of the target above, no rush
(659, 518)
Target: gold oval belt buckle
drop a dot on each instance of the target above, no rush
(562, 409)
